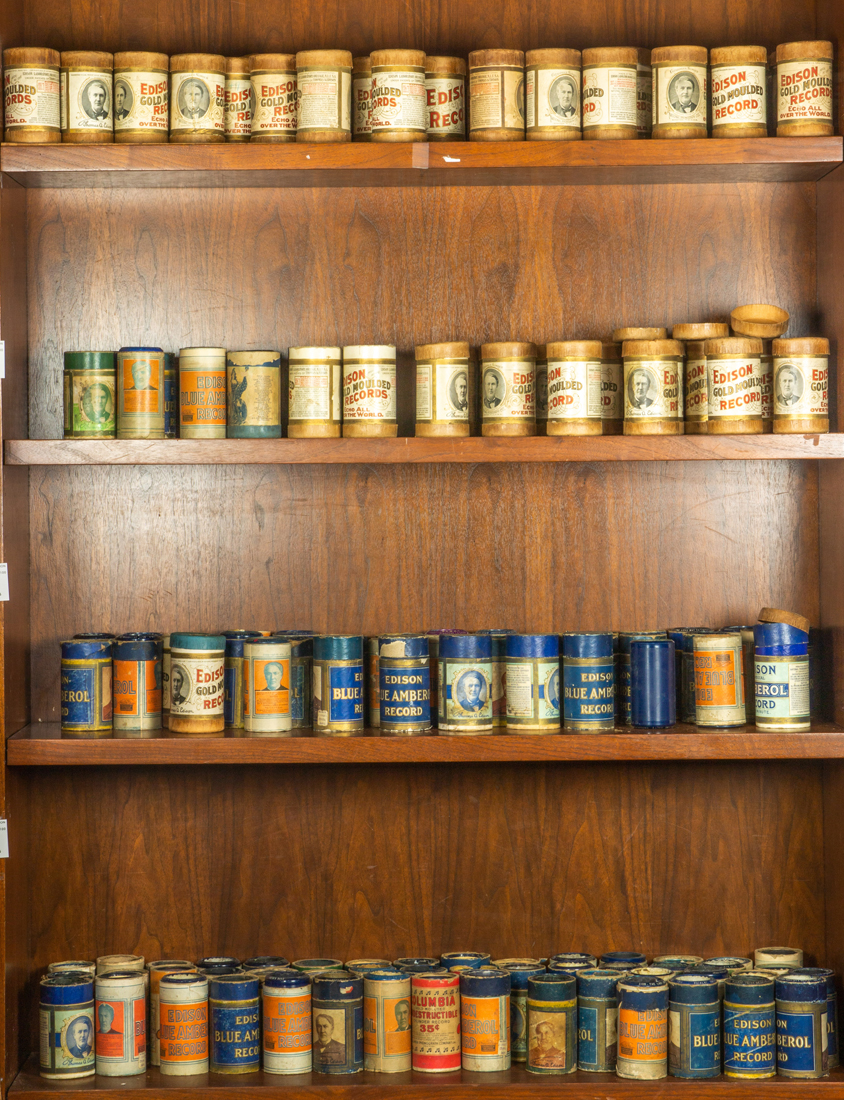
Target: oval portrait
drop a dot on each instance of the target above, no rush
(562, 98)
(194, 98)
(124, 100)
(95, 98)
(642, 388)
(684, 93)
(495, 388)
(471, 690)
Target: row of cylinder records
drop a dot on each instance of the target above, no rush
(680, 1015)
(404, 95)
(271, 685)
(641, 384)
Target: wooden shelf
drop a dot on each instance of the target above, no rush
(391, 165)
(235, 452)
(43, 745)
(513, 1084)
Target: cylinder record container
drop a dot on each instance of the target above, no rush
(642, 1028)
(781, 677)
(338, 1022)
(137, 678)
(588, 682)
(90, 403)
(696, 390)
(238, 100)
(121, 1043)
(653, 387)
(552, 1023)
(324, 85)
(287, 1022)
(141, 97)
(802, 1050)
(183, 1024)
(750, 1040)
(597, 1020)
(233, 678)
(399, 110)
(801, 385)
(574, 387)
(86, 688)
(315, 393)
(197, 684)
(253, 383)
(435, 1020)
(32, 95)
(790, 957)
(274, 97)
(497, 95)
(445, 89)
(719, 680)
(739, 91)
(202, 393)
(266, 687)
(404, 677)
(644, 94)
(369, 391)
(612, 389)
(533, 683)
(197, 98)
(386, 1021)
(573, 961)
(485, 1019)
(465, 683)
(66, 1016)
(235, 1023)
(361, 98)
(680, 90)
(508, 393)
(804, 89)
(521, 971)
(652, 683)
(694, 1032)
(140, 393)
(338, 685)
(734, 374)
(610, 93)
(87, 97)
(442, 389)
(553, 92)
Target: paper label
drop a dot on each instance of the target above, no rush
(183, 1032)
(574, 389)
(254, 394)
(679, 95)
(197, 102)
(399, 101)
(738, 94)
(312, 387)
(467, 693)
(202, 396)
(324, 99)
(801, 386)
(717, 680)
(643, 1036)
(652, 389)
(361, 102)
(274, 102)
(497, 98)
(197, 686)
(735, 388)
(32, 97)
(804, 91)
(612, 385)
(141, 101)
(519, 689)
(508, 389)
(238, 105)
(369, 391)
(423, 392)
(446, 103)
(86, 101)
(697, 390)
(93, 402)
(553, 98)
(644, 100)
(782, 687)
(609, 97)
(485, 1023)
(287, 1024)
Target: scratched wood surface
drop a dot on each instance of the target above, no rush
(350, 549)
(275, 268)
(350, 862)
(438, 26)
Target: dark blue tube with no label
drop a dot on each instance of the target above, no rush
(652, 683)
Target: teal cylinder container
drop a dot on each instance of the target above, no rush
(338, 685)
(90, 395)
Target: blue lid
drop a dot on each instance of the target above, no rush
(218, 969)
(233, 987)
(243, 635)
(626, 638)
(402, 645)
(597, 982)
(779, 634)
(587, 645)
(204, 642)
(642, 981)
(412, 961)
(338, 647)
(749, 989)
(691, 989)
(560, 985)
(91, 637)
(801, 985)
(182, 977)
(148, 351)
(287, 978)
(138, 647)
(533, 645)
(629, 958)
(75, 650)
(387, 974)
(67, 989)
(476, 647)
(277, 961)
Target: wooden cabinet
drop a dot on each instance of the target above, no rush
(707, 842)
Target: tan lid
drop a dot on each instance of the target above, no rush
(800, 51)
(477, 58)
(445, 66)
(237, 65)
(618, 55)
(705, 331)
(197, 63)
(328, 59)
(682, 55)
(801, 345)
(790, 618)
(414, 58)
(273, 62)
(587, 349)
(610, 350)
(361, 65)
(95, 58)
(566, 59)
(734, 345)
(315, 353)
(619, 335)
(644, 56)
(634, 348)
(695, 349)
(738, 55)
(457, 350)
(762, 320)
(508, 350)
(140, 59)
(31, 55)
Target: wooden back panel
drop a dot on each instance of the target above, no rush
(438, 26)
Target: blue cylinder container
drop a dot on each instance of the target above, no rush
(694, 1041)
(338, 684)
(652, 683)
(301, 675)
(499, 677)
(485, 1019)
(552, 1023)
(642, 1027)
(521, 970)
(781, 671)
(338, 1021)
(233, 676)
(66, 1016)
(597, 1020)
(588, 682)
(137, 681)
(533, 683)
(86, 696)
(234, 1023)
(622, 960)
(801, 1025)
(405, 684)
(831, 1012)
(750, 1032)
(623, 670)
(473, 959)
(465, 683)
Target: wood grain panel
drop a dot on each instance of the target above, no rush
(349, 861)
(368, 549)
(438, 26)
(274, 268)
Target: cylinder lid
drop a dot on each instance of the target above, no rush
(338, 647)
(204, 642)
(329, 59)
(361, 65)
(479, 58)
(621, 55)
(472, 646)
(647, 348)
(705, 330)
(587, 645)
(456, 350)
(683, 55)
(141, 59)
(791, 618)
(197, 63)
(445, 66)
(532, 645)
(619, 335)
(508, 350)
(273, 62)
(233, 987)
(66, 989)
(564, 58)
(800, 345)
(89, 360)
(414, 58)
(738, 55)
(286, 978)
(560, 349)
(799, 51)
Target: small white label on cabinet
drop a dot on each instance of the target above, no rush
(4, 839)
(4, 581)
(2, 358)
